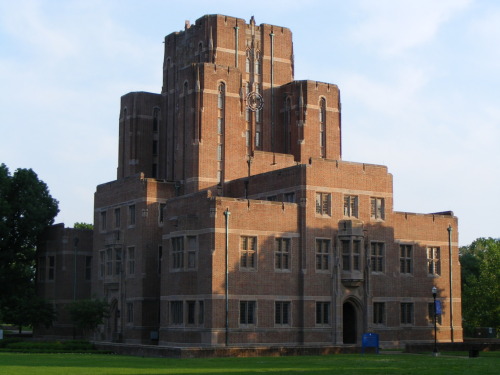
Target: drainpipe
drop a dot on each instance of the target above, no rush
(272, 91)
(450, 229)
(226, 214)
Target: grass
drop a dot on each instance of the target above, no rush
(348, 364)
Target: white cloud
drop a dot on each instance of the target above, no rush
(391, 27)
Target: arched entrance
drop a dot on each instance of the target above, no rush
(349, 323)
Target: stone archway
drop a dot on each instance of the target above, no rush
(350, 327)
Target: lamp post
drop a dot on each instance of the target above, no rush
(435, 351)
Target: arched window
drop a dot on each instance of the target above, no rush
(247, 61)
(322, 127)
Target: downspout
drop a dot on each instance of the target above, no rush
(272, 91)
(226, 214)
(450, 229)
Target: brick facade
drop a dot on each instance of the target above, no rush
(235, 226)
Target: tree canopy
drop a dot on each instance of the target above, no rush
(26, 209)
(87, 314)
(480, 263)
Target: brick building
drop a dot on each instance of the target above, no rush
(234, 220)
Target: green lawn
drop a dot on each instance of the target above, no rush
(384, 364)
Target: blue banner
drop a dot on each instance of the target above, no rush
(438, 307)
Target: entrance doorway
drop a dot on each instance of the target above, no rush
(349, 318)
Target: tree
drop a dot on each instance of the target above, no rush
(480, 263)
(87, 314)
(24, 310)
(83, 226)
(26, 209)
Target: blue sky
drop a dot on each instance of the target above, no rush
(419, 83)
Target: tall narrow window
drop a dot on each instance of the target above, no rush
(130, 312)
(407, 313)
(221, 93)
(191, 312)
(102, 263)
(52, 268)
(160, 258)
(406, 258)
(287, 122)
(131, 214)
(351, 205)
(323, 203)
(247, 60)
(192, 247)
(103, 220)
(378, 313)
(156, 113)
(176, 312)
(322, 313)
(322, 254)
(88, 268)
(282, 254)
(117, 217)
(200, 52)
(248, 249)
(377, 208)
(322, 127)
(177, 252)
(346, 255)
(161, 213)
(109, 262)
(118, 261)
(257, 68)
(434, 261)
(377, 256)
(131, 260)
(282, 313)
(247, 312)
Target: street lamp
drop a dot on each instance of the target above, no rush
(435, 351)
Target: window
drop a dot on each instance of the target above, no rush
(282, 254)
(117, 217)
(407, 313)
(247, 312)
(378, 313)
(130, 312)
(377, 208)
(200, 52)
(161, 214)
(406, 259)
(433, 261)
(282, 313)
(430, 309)
(131, 214)
(247, 252)
(322, 313)
(191, 251)
(322, 254)
(287, 122)
(177, 252)
(191, 312)
(41, 268)
(155, 148)
(257, 63)
(109, 262)
(103, 220)
(131, 260)
(201, 312)
(160, 258)
(289, 197)
(322, 127)
(102, 263)
(52, 268)
(351, 253)
(88, 268)
(351, 205)
(118, 261)
(377, 256)
(323, 203)
(156, 112)
(220, 96)
(176, 312)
